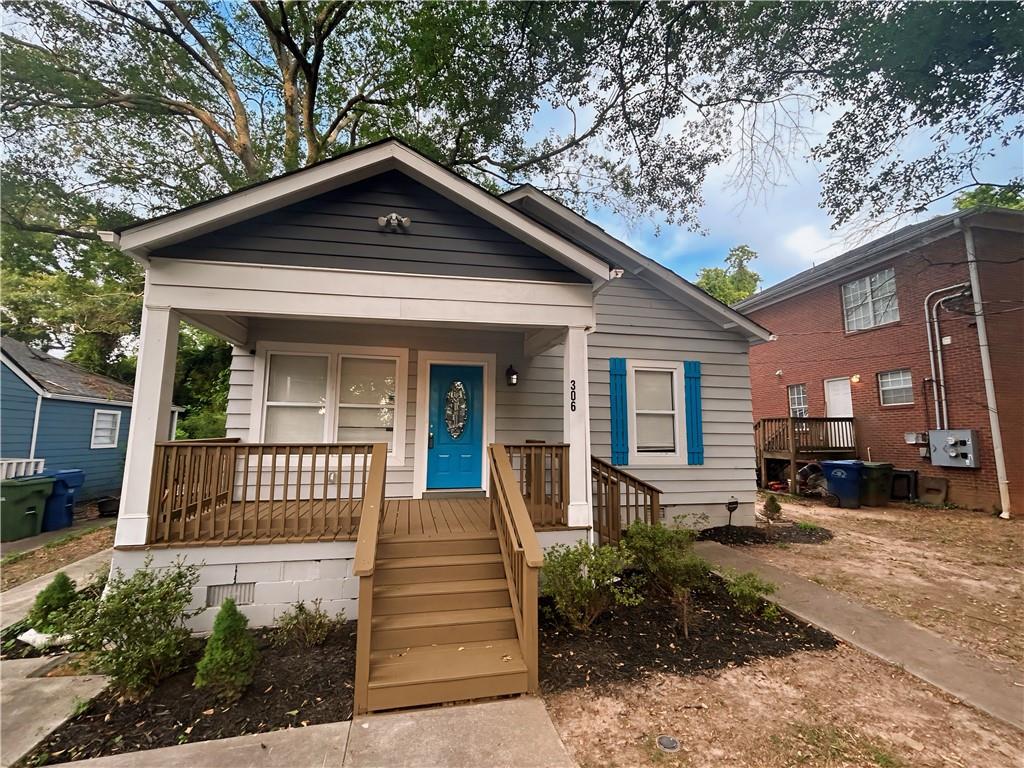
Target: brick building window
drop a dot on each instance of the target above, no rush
(797, 400)
(896, 387)
(871, 301)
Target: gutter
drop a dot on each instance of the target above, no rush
(986, 370)
(113, 239)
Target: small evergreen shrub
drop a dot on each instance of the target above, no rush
(585, 581)
(230, 655)
(52, 604)
(772, 508)
(308, 628)
(747, 590)
(136, 630)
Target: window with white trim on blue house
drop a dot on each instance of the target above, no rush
(655, 409)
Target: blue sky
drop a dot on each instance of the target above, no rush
(787, 228)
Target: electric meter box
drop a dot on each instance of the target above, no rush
(954, 448)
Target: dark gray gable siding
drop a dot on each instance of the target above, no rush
(339, 230)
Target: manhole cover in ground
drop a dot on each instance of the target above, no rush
(668, 744)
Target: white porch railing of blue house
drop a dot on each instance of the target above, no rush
(217, 492)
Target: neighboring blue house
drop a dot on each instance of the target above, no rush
(74, 419)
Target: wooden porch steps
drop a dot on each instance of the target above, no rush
(442, 626)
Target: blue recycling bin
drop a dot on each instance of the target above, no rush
(60, 506)
(843, 478)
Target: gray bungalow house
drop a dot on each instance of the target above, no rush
(429, 384)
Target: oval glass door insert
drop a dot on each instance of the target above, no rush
(455, 409)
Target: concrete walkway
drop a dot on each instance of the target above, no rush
(34, 542)
(985, 685)
(511, 733)
(17, 602)
(34, 706)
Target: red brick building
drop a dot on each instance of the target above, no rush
(853, 339)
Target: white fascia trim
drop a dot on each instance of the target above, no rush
(16, 370)
(666, 279)
(139, 241)
(426, 358)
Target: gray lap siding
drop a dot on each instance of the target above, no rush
(635, 320)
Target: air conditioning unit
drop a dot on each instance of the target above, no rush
(954, 448)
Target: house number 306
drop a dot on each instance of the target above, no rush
(572, 395)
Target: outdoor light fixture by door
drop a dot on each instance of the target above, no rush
(855, 378)
(511, 376)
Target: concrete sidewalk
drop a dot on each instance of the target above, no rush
(985, 685)
(511, 733)
(17, 602)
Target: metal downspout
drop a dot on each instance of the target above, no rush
(986, 370)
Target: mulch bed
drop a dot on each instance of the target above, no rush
(779, 533)
(631, 642)
(293, 687)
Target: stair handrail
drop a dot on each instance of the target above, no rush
(363, 565)
(521, 554)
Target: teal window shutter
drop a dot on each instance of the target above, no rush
(619, 408)
(694, 422)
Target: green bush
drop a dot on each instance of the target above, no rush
(52, 603)
(136, 631)
(665, 557)
(308, 628)
(585, 581)
(230, 655)
(747, 590)
(772, 508)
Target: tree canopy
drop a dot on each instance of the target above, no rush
(117, 110)
(733, 282)
(986, 194)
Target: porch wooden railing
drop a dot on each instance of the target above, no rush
(363, 566)
(806, 434)
(520, 552)
(619, 499)
(541, 472)
(223, 491)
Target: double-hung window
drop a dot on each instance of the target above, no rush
(340, 395)
(105, 428)
(896, 387)
(870, 301)
(797, 400)
(655, 395)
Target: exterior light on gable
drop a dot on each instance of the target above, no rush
(394, 222)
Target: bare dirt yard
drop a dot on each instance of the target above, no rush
(957, 572)
(819, 709)
(22, 567)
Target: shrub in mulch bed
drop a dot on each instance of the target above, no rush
(292, 686)
(780, 533)
(631, 642)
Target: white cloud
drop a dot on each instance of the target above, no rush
(810, 246)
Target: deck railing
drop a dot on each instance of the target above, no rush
(806, 434)
(541, 473)
(520, 552)
(363, 566)
(619, 499)
(218, 491)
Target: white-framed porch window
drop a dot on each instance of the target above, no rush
(106, 426)
(319, 393)
(655, 394)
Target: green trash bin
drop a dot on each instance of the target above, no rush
(22, 503)
(875, 483)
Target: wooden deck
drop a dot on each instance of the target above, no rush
(437, 517)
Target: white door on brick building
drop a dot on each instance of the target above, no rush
(838, 399)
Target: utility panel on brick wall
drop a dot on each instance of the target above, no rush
(954, 448)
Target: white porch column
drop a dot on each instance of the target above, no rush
(576, 425)
(151, 419)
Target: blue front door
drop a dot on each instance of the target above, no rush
(456, 420)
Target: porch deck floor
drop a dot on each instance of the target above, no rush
(321, 520)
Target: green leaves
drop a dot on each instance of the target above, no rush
(585, 581)
(733, 283)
